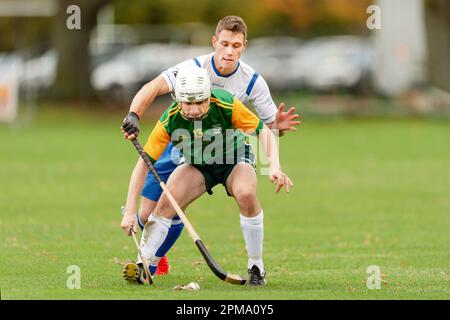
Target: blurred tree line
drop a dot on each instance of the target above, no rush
(299, 18)
(437, 20)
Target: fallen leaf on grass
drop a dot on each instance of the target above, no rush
(197, 262)
(119, 261)
(193, 286)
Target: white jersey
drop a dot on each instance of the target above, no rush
(244, 83)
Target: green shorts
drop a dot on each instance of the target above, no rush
(218, 173)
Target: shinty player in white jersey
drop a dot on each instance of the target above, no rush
(226, 71)
(244, 82)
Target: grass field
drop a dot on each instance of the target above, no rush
(367, 192)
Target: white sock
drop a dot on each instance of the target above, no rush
(253, 230)
(153, 236)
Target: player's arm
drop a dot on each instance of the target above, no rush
(268, 141)
(136, 184)
(160, 85)
(145, 96)
(273, 117)
(156, 143)
(245, 120)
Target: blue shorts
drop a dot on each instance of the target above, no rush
(165, 165)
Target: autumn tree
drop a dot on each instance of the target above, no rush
(73, 70)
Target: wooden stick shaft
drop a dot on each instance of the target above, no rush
(218, 271)
(180, 212)
(144, 262)
(172, 200)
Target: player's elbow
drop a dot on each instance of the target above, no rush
(157, 86)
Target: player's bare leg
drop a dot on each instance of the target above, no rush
(186, 184)
(146, 208)
(241, 184)
(132, 271)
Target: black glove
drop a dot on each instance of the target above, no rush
(131, 124)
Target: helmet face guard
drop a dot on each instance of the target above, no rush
(192, 96)
(192, 85)
(199, 118)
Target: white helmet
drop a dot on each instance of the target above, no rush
(192, 85)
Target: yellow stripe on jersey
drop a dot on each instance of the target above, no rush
(215, 100)
(157, 142)
(242, 118)
(224, 106)
(172, 111)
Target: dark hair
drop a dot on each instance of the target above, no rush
(233, 24)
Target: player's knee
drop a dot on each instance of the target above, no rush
(164, 208)
(147, 207)
(246, 198)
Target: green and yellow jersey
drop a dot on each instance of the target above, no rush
(211, 134)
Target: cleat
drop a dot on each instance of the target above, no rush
(133, 273)
(163, 267)
(256, 278)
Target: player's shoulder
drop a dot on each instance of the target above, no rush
(202, 60)
(247, 69)
(222, 96)
(170, 113)
(256, 84)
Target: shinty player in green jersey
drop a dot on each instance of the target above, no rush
(199, 110)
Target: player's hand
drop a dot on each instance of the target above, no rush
(286, 121)
(279, 178)
(130, 126)
(129, 221)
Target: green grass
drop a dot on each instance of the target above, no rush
(367, 192)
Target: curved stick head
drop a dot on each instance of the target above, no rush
(234, 279)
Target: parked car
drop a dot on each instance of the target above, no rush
(328, 63)
(270, 57)
(39, 73)
(123, 75)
